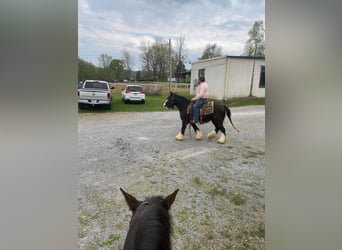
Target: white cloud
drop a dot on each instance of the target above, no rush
(110, 26)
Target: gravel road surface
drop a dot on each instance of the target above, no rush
(220, 204)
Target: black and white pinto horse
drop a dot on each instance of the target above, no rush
(216, 118)
(150, 226)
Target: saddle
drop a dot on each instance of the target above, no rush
(206, 108)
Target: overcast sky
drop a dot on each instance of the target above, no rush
(109, 26)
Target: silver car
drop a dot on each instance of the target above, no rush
(133, 93)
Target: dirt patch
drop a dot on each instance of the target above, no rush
(220, 204)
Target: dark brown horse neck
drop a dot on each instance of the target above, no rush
(181, 102)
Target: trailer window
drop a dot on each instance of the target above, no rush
(262, 77)
(201, 72)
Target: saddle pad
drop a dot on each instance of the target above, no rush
(207, 108)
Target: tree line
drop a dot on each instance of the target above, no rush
(157, 56)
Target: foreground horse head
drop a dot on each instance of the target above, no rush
(217, 117)
(150, 226)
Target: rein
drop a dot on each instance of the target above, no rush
(190, 130)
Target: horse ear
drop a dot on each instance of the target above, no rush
(131, 201)
(170, 199)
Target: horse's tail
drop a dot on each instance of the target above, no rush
(229, 116)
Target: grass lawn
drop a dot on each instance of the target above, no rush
(155, 103)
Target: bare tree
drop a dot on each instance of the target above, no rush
(104, 60)
(155, 60)
(255, 45)
(181, 51)
(146, 59)
(128, 62)
(181, 56)
(117, 67)
(211, 50)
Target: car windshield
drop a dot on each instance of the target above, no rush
(134, 88)
(95, 85)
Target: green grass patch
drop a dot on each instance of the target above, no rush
(185, 214)
(217, 191)
(197, 181)
(110, 240)
(237, 199)
(245, 101)
(181, 230)
(155, 103)
(253, 154)
(223, 178)
(210, 237)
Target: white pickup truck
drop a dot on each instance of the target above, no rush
(95, 92)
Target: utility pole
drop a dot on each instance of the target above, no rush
(170, 62)
(252, 78)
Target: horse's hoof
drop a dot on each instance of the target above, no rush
(199, 135)
(211, 134)
(222, 139)
(179, 137)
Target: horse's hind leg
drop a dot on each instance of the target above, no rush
(223, 136)
(213, 133)
(218, 127)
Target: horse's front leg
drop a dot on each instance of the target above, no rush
(198, 132)
(180, 136)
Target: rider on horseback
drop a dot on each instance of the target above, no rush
(201, 97)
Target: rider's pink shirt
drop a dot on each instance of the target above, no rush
(202, 91)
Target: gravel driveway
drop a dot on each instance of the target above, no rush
(220, 204)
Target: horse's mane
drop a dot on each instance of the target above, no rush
(153, 231)
(183, 98)
(182, 102)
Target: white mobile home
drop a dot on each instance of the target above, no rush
(230, 76)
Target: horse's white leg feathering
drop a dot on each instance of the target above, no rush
(222, 138)
(199, 135)
(180, 137)
(211, 134)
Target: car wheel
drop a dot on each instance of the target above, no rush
(125, 101)
(109, 106)
(143, 101)
(80, 106)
